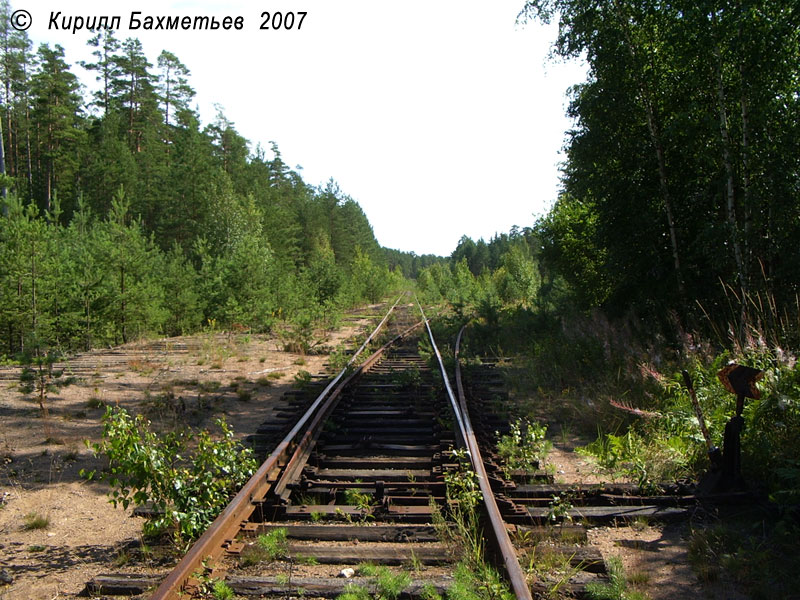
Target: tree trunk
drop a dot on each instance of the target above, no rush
(746, 184)
(33, 292)
(87, 307)
(655, 139)
(123, 307)
(3, 170)
(28, 149)
(730, 195)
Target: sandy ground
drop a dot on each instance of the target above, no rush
(190, 380)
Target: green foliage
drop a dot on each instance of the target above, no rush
(524, 447)
(388, 585)
(362, 500)
(385, 584)
(474, 579)
(648, 460)
(477, 582)
(131, 219)
(354, 591)
(752, 549)
(558, 509)
(571, 248)
(188, 490)
(517, 280)
(274, 542)
(673, 179)
(299, 336)
(483, 277)
(462, 483)
(368, 282)
(429, 592)
(302, 378)
(672, 441)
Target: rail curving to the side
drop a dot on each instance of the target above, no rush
(500, 537)
(503, 543)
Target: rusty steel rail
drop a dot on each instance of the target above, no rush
(300, 456)
(291, 455)
(454, 405)
(503, 543)
(209, 546)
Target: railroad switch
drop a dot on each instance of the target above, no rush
(725, 473)
(739, 380)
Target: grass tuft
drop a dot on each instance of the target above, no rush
(268, 547)
(34, 521)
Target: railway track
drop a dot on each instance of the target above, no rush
(356, 491)
(360, 478)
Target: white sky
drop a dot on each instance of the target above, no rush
(441, 118)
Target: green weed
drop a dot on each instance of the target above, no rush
(95, 402)
(559, 507)
(617, 587)
(386, 584)
(429, 592)
(524, 447)
(354, 591)
(222, 591)
(302, 379)
(474, 579)
(34, 521)
(268, 547)
(122, 558)
(362, 500)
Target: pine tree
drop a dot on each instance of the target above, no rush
(176, 93)
(15, 80)
(56, 122)
(105, 45)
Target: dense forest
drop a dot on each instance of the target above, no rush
(682, 178)
(123, 216)
(681, 184)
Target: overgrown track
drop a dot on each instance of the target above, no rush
(359, 478)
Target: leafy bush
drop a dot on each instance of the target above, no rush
(524, 447)
(667, 443)
(186, 488)
(222, 591)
